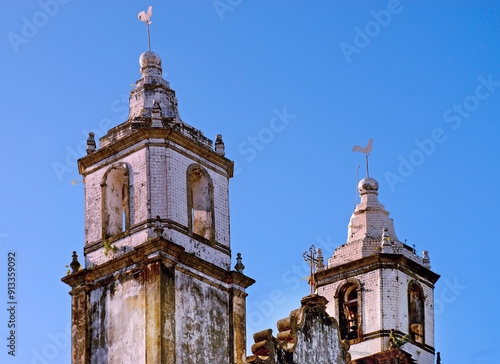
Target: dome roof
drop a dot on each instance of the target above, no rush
(368, 185)
(150, 60)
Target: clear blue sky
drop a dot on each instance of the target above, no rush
(412, 84)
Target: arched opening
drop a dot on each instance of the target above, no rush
(200, 202)
(115, 200)
(349, 312)
(416, 312)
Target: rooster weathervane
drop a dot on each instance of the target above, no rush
(366, 151)
(143, 16)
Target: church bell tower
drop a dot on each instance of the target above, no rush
(378, 288)
(156, 285)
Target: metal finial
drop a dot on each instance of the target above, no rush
(366, 151)
(75, 264)
(143, 16)
(158, 230)
(239, 265)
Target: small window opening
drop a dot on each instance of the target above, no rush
(416, 313)
(348, 312)
(200, 203)
(115, 207)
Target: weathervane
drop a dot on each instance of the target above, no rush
(143, 16)
(366, 151)
(315, 261)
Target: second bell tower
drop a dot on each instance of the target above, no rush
(378, 288)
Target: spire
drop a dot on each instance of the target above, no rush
(153, 105)
(370, 219)
(150, 88)
(371, 231)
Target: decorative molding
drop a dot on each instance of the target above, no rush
(155, 133)
(146, 224)
(374, 262)
(138, 258)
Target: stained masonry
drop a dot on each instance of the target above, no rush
(308, 335)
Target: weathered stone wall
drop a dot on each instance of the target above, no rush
(308, 335)
(178, 162)
(79, 329)
(202, 322)
(123, 245)
(117, 322)
(396, 308)
(138, 200)
(318, 343)
(238, 314)
(158, 179)
(158, 304)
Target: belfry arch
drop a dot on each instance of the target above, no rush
(115, 200)
(200, 196)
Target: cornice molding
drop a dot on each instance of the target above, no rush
(154, 133)
(374, 262)
(139, 257)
